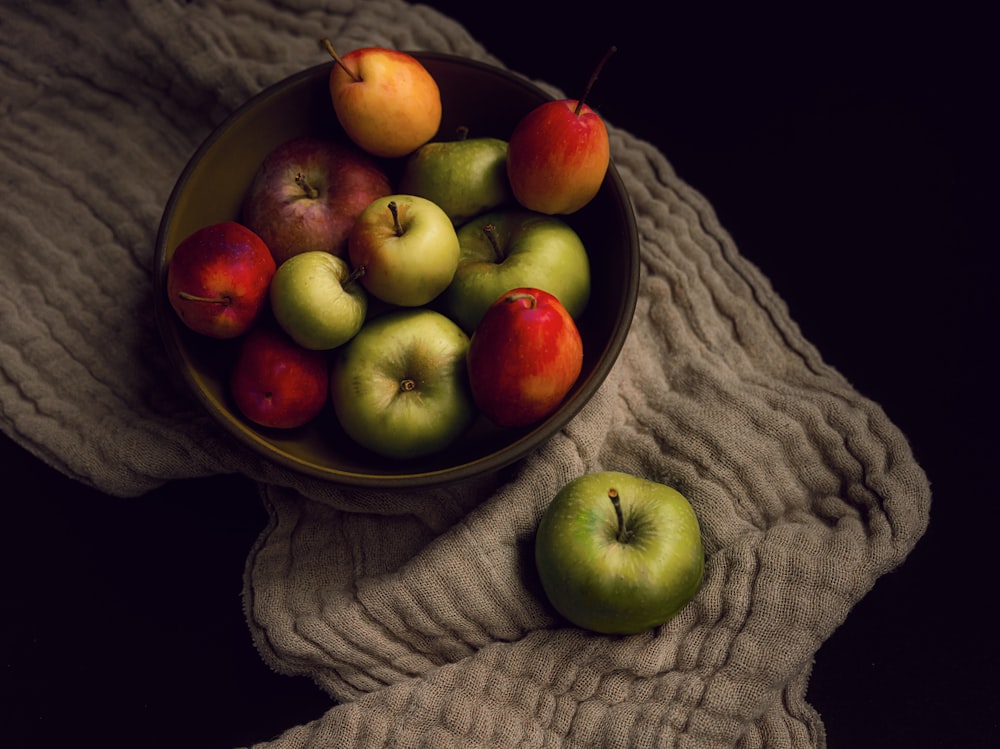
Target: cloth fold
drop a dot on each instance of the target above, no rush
(418, 612)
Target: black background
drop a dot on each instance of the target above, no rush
(849, 151)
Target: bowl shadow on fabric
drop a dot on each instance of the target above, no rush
(489, 101)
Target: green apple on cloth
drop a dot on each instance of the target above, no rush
(416, 611)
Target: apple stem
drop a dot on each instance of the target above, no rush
(407, 385)
(394, 210)
(511, 298)
(623, 533)
(311, 192)
(462, 132)
(333, 53)
(224, 300)
(355, 274)
(593, 78)
(490, 231)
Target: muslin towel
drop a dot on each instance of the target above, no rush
(418, 612)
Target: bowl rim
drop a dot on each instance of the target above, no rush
(513, 451)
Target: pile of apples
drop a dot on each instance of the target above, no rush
(413, 303)
(414, 306)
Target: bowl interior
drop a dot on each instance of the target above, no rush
(489, 101)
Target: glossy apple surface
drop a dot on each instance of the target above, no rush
(619, 574)
(399, 387)
(558, 157)
(386, 100)
(511, 248)
(275, 382)
(465, 177)
(524, 356)
(407, 248)
(218, 278)
(317, 301)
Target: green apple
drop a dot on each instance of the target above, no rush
(407, 249)
(510, 248)
(619, 554)
(316, 299)
(400, 388)
(465, 177)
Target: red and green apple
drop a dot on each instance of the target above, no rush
(307, 194)
(218, 279)
(524, 357)
(558, 154)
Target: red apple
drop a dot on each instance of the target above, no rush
(277, 383)
(524, 356)
(558, 155)
(387, 102)
(307, 194)
(218, 278)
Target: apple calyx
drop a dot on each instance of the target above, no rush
(407, 385)
(225, 300)
(328, 45)
(624, 535)
(311, 192)
(593, 79)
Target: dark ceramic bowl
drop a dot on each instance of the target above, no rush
(488, 100)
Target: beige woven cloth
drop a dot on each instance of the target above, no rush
(418, 612)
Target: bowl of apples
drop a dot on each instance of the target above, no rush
(397, 269)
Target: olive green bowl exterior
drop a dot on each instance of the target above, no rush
(489, 101)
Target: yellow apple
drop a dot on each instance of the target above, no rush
(387, 102)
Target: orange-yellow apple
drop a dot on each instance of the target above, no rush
(524, 357)
(307, 193)
(218, 279)
(558, 155)
(387, 102)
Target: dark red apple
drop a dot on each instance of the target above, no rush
(524, 356)
(277, 383)
(307, 194)
(218, 279)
